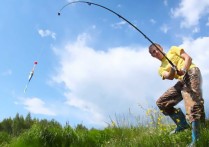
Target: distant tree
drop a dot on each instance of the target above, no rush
(18, 125)
(6, 125)
(81, 127)
(28, 121)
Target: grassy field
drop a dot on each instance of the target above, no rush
(43, 133)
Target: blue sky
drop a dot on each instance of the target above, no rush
(92, 65)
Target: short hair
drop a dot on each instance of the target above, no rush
(153, 46)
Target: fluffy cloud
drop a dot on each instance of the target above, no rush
(36, 106)
(45, 33)
(103, 83)
(191, 11)
(153, 21)
(118, 25)
(198, 50)
(164, 28)
(100, 84)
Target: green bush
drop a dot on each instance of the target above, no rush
(4, 138)
(46, 133)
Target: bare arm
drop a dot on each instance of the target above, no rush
(169, 75)
(187, 62)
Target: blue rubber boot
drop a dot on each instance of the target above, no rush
(195, 132)
(180, 121)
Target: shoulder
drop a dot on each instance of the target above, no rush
(176, 50)
(173, 48)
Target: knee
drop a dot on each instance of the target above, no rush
(158, 103)
(161, 106)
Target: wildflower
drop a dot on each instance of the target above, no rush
(113, 124)
(148, 112)
(177, 120)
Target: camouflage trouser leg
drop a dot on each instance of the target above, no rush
(170, 98)
(192, 95)
(190, 90)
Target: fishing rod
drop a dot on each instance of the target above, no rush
(120, 16)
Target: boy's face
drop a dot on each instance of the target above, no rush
(156, 53)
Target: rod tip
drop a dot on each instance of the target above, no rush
(59, 13)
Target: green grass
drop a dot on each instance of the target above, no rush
(117, 134)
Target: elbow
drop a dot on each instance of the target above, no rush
(170, 78)
(189, 59)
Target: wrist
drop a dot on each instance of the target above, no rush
(184, 70)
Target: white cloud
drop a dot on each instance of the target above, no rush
(164, 28)
(119, 24)
(100, 84)
(191, 11)
(46, 33)
(36, 106)
(87, 110)
(198, 50)
(153, 21)
(103, 83)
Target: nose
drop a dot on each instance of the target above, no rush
(154, 53)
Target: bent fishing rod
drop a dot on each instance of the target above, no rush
(120, 16)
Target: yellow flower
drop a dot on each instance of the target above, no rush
(177, 120)
(148, 112)
(113, 124)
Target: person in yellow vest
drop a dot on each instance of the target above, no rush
(187, 88)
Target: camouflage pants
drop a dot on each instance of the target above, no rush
(189, 90)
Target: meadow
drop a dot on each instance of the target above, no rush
(28, 132)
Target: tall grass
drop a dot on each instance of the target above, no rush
(119, 133)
